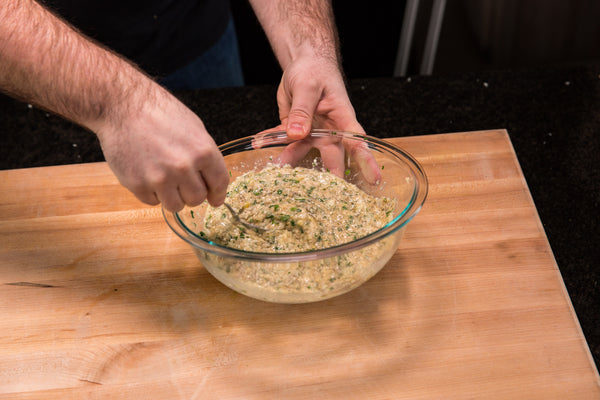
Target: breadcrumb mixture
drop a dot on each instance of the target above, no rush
(301, 209)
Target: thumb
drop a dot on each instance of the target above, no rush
(300, 117)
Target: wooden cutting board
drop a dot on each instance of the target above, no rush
(99, 299)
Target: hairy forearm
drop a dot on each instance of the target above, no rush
(297, 26)
(46, 62)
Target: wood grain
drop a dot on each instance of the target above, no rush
(99, 299)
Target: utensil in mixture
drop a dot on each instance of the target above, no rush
(240, 221)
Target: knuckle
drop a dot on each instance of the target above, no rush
(299, 111)
(310, 83)
(158, 180)
(157, 177)
(203, 158)
(180, 166)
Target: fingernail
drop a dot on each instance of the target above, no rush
(295, 130)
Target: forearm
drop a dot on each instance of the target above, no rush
(297, 27)
(46, 62)
(158, 148)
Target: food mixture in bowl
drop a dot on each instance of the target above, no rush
(300, 209)
(318, 235)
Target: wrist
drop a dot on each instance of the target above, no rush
(319, 52)
(298, 28)
(119, 97)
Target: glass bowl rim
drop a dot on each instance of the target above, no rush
(413, 206)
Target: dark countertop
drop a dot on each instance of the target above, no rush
(552, 115)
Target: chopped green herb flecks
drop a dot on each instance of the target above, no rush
(302, 210)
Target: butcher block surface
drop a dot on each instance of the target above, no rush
(99, 299)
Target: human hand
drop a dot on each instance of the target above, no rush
(162, 153)
(312, 94)
(156, 147)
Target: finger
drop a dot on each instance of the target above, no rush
(354, 127)
(216, 178)
(333, 158)
(360, 153)
(147, 197)
(193, 191)
(294, 152)
(278, 128)
(142, 193)
(304, 103)
(170, 198)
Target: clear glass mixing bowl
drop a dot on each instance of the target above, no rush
(376, 166)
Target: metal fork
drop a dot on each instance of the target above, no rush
(245, 224)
